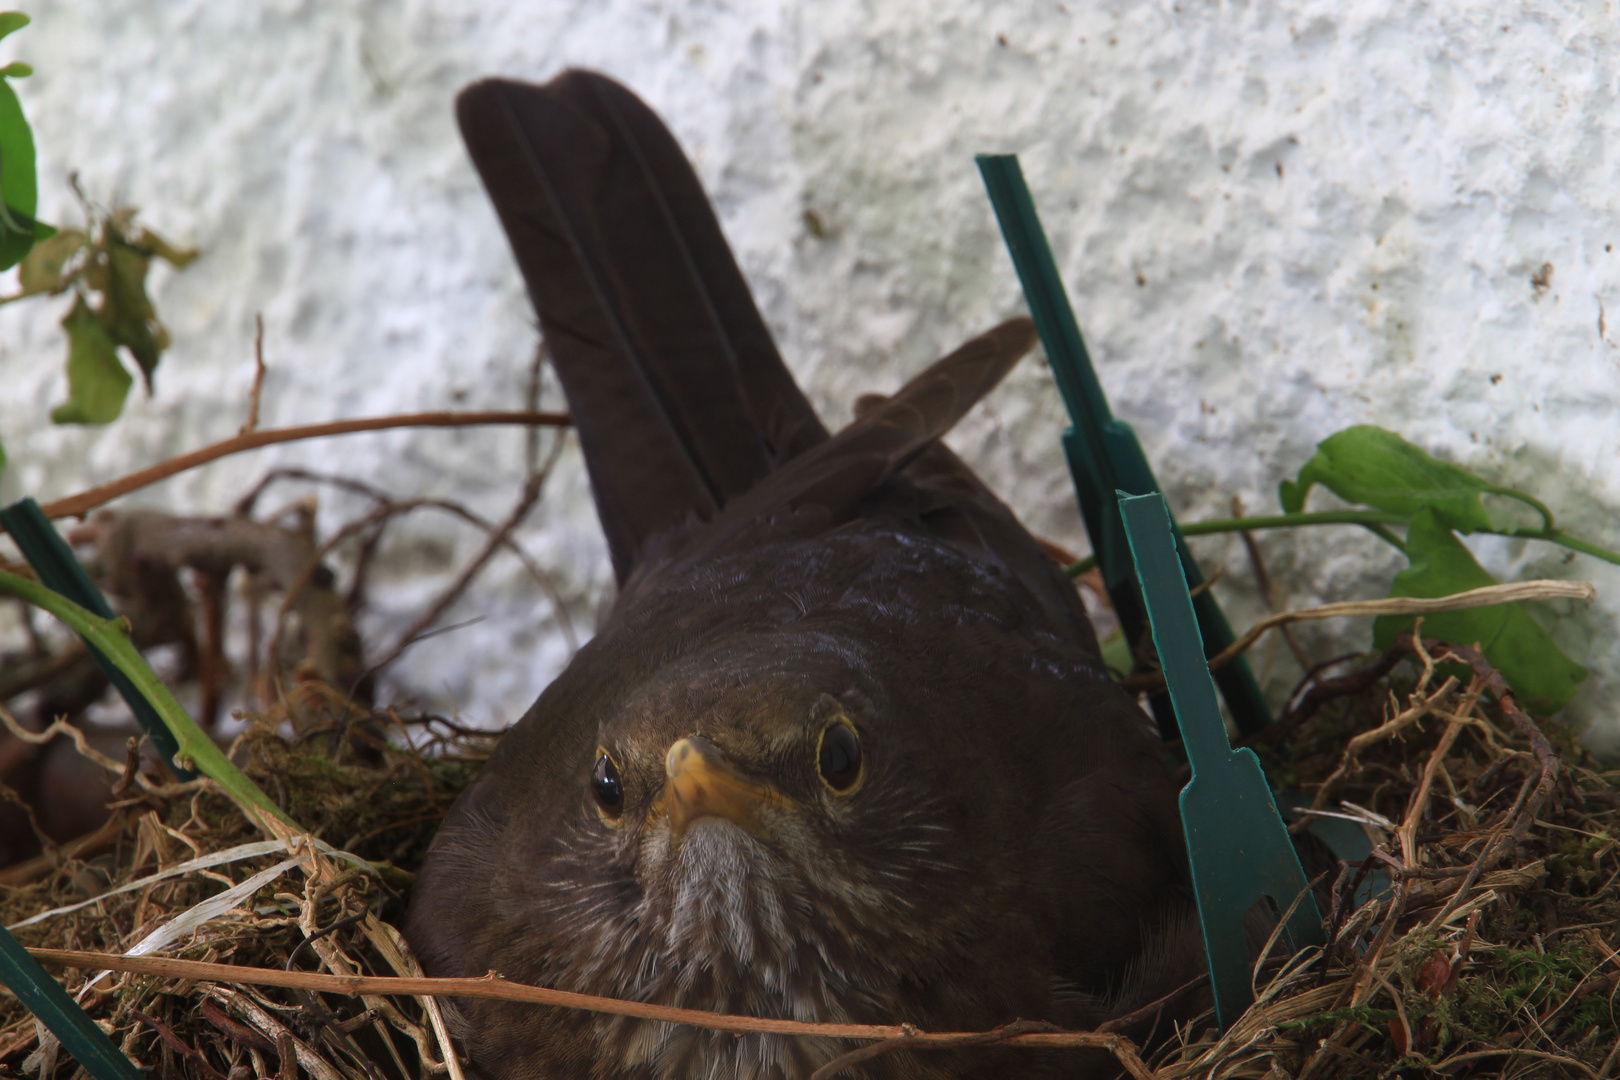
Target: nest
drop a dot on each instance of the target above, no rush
(1472, 941)
(362, 792)
(1475, 938)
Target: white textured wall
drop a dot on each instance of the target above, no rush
(1276, 221)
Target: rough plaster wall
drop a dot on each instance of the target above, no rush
(1276, 221)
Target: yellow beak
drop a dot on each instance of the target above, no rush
(701, 782)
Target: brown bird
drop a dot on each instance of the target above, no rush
(844, 749)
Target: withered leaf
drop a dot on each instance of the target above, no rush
(157, 245)
(126, 310)
(1399, 1035)
(41, 269)
(1435, 973)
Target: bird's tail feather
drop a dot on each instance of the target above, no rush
(680, 398)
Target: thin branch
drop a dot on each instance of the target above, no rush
(1419, 802)
(382, 513)
(1268, 590)
(495, 987)
(80, 504)
(383, 500)
(1552, 766)
(244, 506)
(533, 485)
(497, 539)
(1304, 705)
(1510, 593)
(1123, 1049)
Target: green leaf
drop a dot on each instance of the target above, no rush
(97, 382)
(17, 70)
(18, 192)
(41, 269)
(12, 21)
(1374, 467)
(1542, 677)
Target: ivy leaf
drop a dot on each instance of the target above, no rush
(18, 193)
(41, 269)
(1378, 468)
(97, 382)
(1542, 677)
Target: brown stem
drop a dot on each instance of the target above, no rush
(1152, 1008)
(1552, 766)
(234, 1028)
(1123, 1049)
(37, 671)
(496, 987)
(493, 543)
(214, 669)
(1262, 578)
(83, 848)
(80, 504)
(498, 538)
(174, 1043)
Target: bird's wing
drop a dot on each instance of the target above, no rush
(680, 398)
(836, 478)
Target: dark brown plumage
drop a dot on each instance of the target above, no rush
(844, 749)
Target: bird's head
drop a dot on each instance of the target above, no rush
(752, 825)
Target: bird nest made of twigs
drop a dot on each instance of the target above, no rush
(1475, 938)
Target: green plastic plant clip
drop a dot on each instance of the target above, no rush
(1102, 451)
(44, 997)
(53, 561)
(1236, 842)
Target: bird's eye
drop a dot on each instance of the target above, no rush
(606, 786)
(838, 758)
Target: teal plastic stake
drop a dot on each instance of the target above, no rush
(44, 997)
(53, 561)
(1236, 842)
(1102, 451)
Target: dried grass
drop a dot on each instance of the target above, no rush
(378, 798)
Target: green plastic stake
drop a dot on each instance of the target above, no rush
(44, 997)
(53, 561)
(1236, 841)
(1102, 451)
